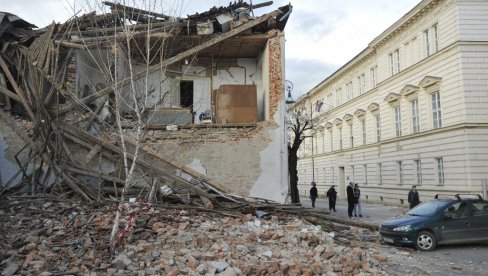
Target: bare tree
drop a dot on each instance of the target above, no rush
(123, 54)
(299, 119)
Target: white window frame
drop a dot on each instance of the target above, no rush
(398, 121)
(338, 96)
(380, 173)
(431, 40)
(436, 110)
(415, 116)
(396, 54)
(440, 170)
(323, 141)
(353, 172)
(373, 74)
(331, 140)
(390, 61)
(333, 174)
(363, 126)
(352, 135)
(394, 58)
(361, 82)
(400, 172)
(316, 141)
(349, 91)
(427, 43)
(435, 31)
(378, 128)
(365, 167)
(340, 139)
(418, 170)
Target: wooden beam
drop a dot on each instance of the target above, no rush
(132, 10)
(92, 154)
(172, 60)
(17, 89)
(10, 94)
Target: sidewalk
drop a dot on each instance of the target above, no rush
(372, 212)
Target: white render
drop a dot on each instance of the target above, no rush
(457, 72)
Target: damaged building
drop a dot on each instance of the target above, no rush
(194, 102)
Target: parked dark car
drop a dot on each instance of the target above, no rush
(457, 219)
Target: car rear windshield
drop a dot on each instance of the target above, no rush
(427, 209)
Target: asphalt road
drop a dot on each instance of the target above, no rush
(468, 259)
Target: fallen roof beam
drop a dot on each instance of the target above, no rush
(261, 5)
(106, 31)
(17, 89)
(9, 93)
(178, 57)
(129, 10)
(156, 171)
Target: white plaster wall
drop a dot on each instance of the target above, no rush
(158, 87)
(472, 20)
(201, 96)
(273, 181)
(92, 69)
(247, 72)
(474, 60)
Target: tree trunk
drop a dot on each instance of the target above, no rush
(292, 170)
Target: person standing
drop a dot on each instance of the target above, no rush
(357, 202)
(313, 194)
(332, 196)
(413, 197)
(350, 199)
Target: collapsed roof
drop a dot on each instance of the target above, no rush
(40, 76)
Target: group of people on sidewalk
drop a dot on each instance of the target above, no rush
(353, 198)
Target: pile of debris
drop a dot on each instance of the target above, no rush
(51, 236)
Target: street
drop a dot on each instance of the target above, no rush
(444, 260)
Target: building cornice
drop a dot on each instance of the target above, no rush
(415, 13)
(403, 22)
(451, 128)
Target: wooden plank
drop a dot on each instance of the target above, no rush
(92, 153)
(131, 10)
(178, 57)
(17, 89)
(10, 94)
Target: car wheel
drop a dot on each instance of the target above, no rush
(425, 241)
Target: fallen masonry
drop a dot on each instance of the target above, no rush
(52, 236)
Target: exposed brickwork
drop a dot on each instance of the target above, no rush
(231, 156)
(275, 72)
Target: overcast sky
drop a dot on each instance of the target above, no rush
(321, 35)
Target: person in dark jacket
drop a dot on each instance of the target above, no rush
(350, 199)
(313, 194)
(332, 196)
(413, 197)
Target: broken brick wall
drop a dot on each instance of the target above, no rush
(273, 182)
(246, 161)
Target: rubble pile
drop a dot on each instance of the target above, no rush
(51, 236)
